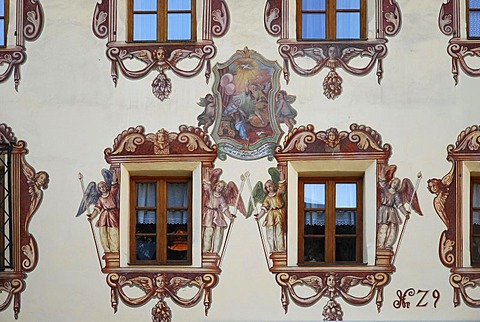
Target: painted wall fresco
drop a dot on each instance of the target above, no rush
(29, 20)
(22, 195)
(161, 56)
(450, 195)
(332, 54)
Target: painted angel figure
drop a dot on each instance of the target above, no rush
(104, 197)
(36, 183)
(218, 197)
(207, 117)
(284, 111)
(272, 197)
(394, 194)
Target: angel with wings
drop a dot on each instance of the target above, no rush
(284, 111)
(394, 194)
(104, 197)
(218, 197)
(272, 197)
(207, 117)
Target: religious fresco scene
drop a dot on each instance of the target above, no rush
(219, 160)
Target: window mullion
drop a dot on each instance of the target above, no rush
(331, 19)
(330, 222)
(162, 20)
(161, 215)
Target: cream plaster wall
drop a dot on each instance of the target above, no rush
(68, 111)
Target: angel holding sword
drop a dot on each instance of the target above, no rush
(218, 197)
(394, 194)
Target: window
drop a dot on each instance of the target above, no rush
(161, 231)
(331, 19)
(475, 221)
(161, 20)
(5, 216)
(330, 223)
(473, 19)
(3, 22)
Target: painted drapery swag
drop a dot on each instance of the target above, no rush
(26, 193)
(449, 195)
(29, 20)
(332, 54)
(394, 196)
(161, 56)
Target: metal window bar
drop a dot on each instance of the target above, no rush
(6, 220)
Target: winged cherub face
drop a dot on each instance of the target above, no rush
(102, 187)
(220, 186)
(270, 187)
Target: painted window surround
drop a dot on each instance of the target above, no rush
(450, 18)
(332, 54)
(306, 151)
(452, 205)
(162, 153)
(26, 196)
(28, 20)
(161, 56)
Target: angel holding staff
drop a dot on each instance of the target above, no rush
(217, 198)
(394, 194)
(104, 197)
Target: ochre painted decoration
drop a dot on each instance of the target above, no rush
(334, 54)
(459, 48)
(450, 196)
(161, 56)
(25, 191)
(247, 107)
(29, 24)
(219, 200)
(334, 282)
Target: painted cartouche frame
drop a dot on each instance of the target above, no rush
(21, 196)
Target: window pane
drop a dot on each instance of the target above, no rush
(179, 26)
(314, 195)
(145, 248)
(475, 249)
(146, 221)
(474, 4)
(314, 223)
(179, 5)
(476, 195)
(146, 194)
(345, 249)
(145, 5)
(177, 248)
(348, 25)
(2, 32)
(177, 194)
(314, 250)
(313, 26)
(313, 4)
(2, 8)
(474, 24)
(345, 222)
(345, 195)
(476, 222)
(348, 4)
(177, 221)
(145, 27)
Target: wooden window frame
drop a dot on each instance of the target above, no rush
(162, 22)
(330, 234)
(161, 210)
(473, 181)
(331, 20)
(3, 267)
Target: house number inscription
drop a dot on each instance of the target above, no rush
(421, 296)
